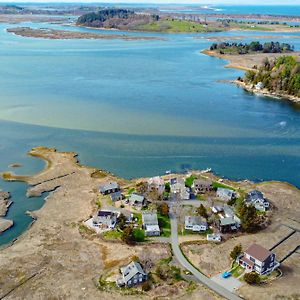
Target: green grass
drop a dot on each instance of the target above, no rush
(190, 180)
(165, 225)
(249, 27)
(112, 234)
(237, 271)
(190, 232)
(172, 25)
(222, 185)
(139, 217)
(131, 190)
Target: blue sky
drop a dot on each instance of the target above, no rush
(200, 2)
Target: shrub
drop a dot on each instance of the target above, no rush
(236, 251)
(138, 235)
(252, 278)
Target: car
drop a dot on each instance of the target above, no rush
(226, 274)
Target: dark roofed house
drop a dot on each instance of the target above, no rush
(202, 186)
(109, 188)
(105, 219)
(257, 199)
(259, 259)
(117, 196)
(132, 274)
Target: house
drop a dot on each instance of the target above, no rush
(156, 183)
(105, 219)
(258, 259)
(195, 223)
(150, 223)
(226, 194)
(227, 224)
(257, 199)
(216, 209)
(117, 196)
(214, 237)
(202, 186)
(178, 189)
(132, 274)
(108, 188)
(137, 200)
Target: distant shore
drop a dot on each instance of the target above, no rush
(65, 34)
(246, 62)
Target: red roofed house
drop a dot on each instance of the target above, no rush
(259, 259)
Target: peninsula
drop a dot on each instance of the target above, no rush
(62, 241)
(267, 66)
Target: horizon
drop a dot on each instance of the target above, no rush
(163, 2)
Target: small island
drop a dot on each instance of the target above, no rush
(272, 69)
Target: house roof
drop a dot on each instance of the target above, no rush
(109, 186)
(258, 252)
(116, 195)
(152, 228)
(149, 218)
(132, 269)
(226, 192)
(105, 213)
(195, 220)
(136, 198)
(157, 181)
(227, 221)
(247, 261)
(203, 182)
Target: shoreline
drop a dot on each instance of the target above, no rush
(246, 62)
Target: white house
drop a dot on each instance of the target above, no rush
(156, 183)
(150, 223)
(225, 194)
(105, 219)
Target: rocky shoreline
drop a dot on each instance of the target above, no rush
(5, 203)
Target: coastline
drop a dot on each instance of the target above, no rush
(246, 62)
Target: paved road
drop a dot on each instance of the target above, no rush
(184, 262)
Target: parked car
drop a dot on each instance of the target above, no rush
(226, 274)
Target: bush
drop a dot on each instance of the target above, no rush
(164, 209)
(236, 251)
(138, 235)
(252, 278)
(146, 286)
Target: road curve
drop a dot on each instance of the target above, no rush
(185, 263)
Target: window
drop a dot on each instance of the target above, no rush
(252, 259)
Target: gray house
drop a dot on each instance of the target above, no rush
(117, 196)
(150, 223)
(132, 274)
(109, 187)
(137, 200)
(258, 259)
(195, 223)
(202, 186)
(257, 199)
(225, 194)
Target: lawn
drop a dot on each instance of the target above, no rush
(165, 226)
(113, 234)
(190, 232)
(139, 217)
(190, 180)
(222, 185)
(237, 271)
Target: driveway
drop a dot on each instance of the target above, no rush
(185, 263)
(231, 283)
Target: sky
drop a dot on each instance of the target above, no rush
(200, 2)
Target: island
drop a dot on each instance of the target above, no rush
(153, 21)
(55, 34)
(272, 69)
(95, 225)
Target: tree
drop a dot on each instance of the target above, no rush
(202, 211)
(127, 235)
(121, 221)
(252, 278)
(167, 187)
(163, 209)
(251, 222)
(236, 251)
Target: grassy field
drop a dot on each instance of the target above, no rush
(165, 225)
(171, 25)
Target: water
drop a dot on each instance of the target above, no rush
(137, 108)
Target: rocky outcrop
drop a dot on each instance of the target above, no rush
(5, 202)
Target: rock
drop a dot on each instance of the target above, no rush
(4, 203)
(5, 224)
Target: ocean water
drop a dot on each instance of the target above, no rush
(137, 108)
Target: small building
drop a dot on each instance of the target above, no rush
(202, 186)
(227, 225)
(226, 194)
(216, 209)
(108, 188)
(156, 183)
(257, 199)
(105, 219)
(259, 86)
(117, 196)
(150, 223)
(195, 223)
(214, 237)
(137, 200)
(258, 259)
(132, 274)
